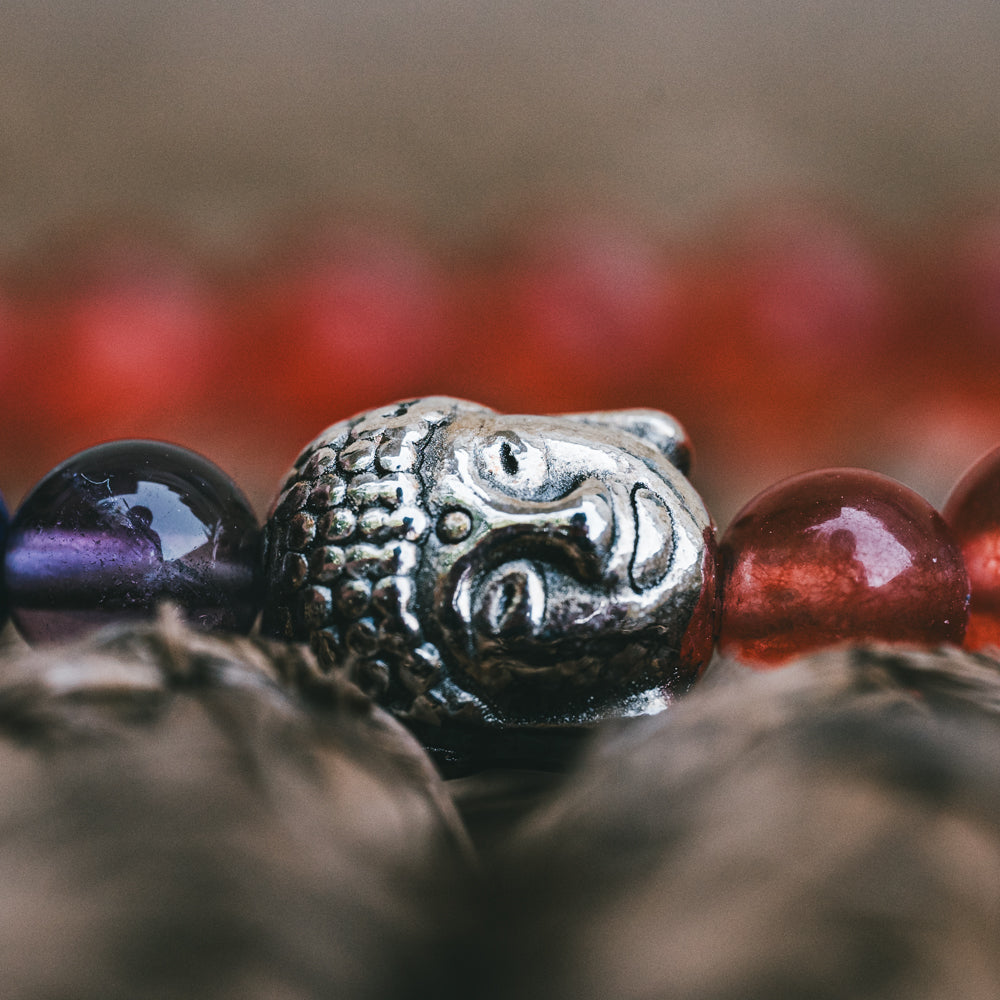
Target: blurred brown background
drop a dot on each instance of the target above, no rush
(692, 126)
(224, 114)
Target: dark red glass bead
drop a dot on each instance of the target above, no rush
(117, 529)
(973, 514)
(838, 555)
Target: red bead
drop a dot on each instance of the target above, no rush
(973, 514)
(346, 318)
(575, 293)
(838, 555)
(119, 340)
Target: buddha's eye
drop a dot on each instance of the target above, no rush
(508, 460)
(515, 465)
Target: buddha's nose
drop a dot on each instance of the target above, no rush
(581, 524)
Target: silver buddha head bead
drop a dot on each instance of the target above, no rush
(467, 567)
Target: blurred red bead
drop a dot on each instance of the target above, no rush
(838, 555)
(953, 318)
(344, 318)
(124, 338)
(584, 316)
(973, 513)
(114, 334)
(9, 401)
(973, 275)
(816, 292)
(791, 318)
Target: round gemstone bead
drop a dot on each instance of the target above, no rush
(838, 555)
(117, 529)
(973, 514)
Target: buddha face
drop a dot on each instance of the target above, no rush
(567, 563)
(507, 571)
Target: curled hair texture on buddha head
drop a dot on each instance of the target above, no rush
(343, 546)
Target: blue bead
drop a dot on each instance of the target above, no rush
(117, 529)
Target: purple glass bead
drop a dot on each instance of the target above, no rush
(115, 530)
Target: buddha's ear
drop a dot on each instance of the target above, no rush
(656, 429)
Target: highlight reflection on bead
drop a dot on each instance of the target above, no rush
(973, 514)
(838, 555)
(115, 530)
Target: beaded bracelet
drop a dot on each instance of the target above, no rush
(478, 571)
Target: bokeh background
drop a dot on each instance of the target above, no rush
(229, 224)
